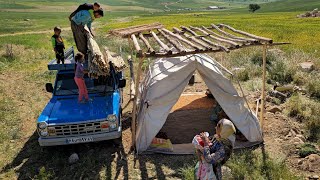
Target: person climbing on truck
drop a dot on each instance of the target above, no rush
(78, 78)
(58, 45)
(86, 6)
(78, 21)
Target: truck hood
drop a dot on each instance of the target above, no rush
(69, 110)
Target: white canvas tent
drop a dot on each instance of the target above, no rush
(165, 82)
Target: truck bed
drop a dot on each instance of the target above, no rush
(68, 62)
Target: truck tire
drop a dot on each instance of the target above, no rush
(117, 142)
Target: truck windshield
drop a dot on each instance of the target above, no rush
(66, 85)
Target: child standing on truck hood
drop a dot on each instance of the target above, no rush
(78, 78)
(58, 45)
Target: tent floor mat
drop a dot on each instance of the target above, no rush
(181, 126)
(182, 149)
(185, 149)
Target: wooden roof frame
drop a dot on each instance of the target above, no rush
(187, 41)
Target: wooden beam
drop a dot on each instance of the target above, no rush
(197, 41)
(134, 111)
(173, 42)
(164, 46)
(177, 30)
(216, 38)
(231, 35)
(189, 30)
(223, 37)
(157, 54)
(183, 40)
(247, 34)
(145, 41)
(132, 86)
(205, 40)
(193, 39)
(136, 44)
(126, 32)
(263, 95)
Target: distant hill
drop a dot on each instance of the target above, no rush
(290, 5)
(126, 5)
(160, 5)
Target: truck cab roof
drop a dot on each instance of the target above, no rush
(69, 62)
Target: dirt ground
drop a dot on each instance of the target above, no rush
(106, 160)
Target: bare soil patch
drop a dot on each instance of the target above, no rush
(189, 116)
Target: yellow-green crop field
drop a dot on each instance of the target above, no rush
(303, 33)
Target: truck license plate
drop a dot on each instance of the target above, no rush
(79, 140)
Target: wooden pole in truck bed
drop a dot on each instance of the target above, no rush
(134, 111)
(263, 94)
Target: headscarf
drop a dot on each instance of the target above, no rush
(227, 130)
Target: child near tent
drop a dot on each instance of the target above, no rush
(221, 148)
(58, 45)
(203, 170)
(78, 78)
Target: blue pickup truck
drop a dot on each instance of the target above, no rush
(64, 121)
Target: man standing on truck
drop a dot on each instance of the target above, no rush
(78, 21)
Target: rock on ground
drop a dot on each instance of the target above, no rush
(307, 66)
(311, 163)
(274, 109)
(73, 158)
(296, 141)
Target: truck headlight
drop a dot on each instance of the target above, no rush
(42, 125)
(112, 118)
(113, 125)
(44, 132)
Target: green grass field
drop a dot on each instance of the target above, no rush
(22, 79)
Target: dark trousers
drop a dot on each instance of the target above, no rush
(80, 38)
(60, 55)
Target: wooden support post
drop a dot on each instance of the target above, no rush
(263, 94)
(132, 84)
(134, 111)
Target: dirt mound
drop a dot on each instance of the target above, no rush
(310, 163)
(314, 13)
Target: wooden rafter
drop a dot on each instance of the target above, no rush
(153, 40)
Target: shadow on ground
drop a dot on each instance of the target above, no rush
(94, 159)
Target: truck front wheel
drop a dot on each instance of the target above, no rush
(117, 142)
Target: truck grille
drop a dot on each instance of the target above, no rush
(77, 129)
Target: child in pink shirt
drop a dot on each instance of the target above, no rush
(78, 78)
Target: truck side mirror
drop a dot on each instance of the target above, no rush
(122, 83)
(49, 87)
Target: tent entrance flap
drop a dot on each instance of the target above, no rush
(167, 79)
